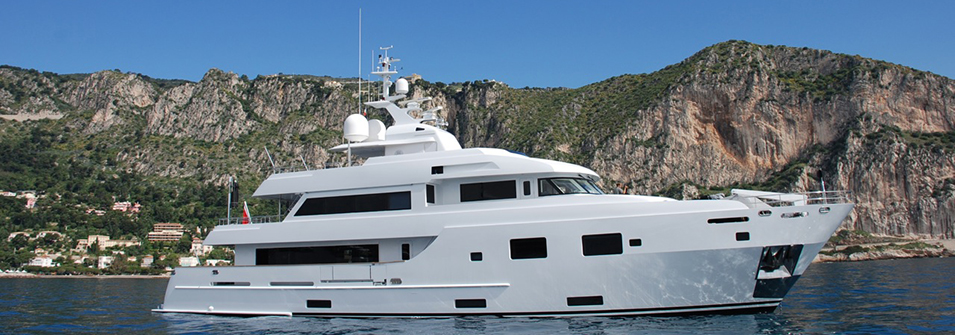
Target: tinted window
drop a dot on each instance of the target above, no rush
(489, 191)
(430, 191)
(603, 244)
(366, 253)
(318, 304)
(555, 186)
(470, 303)
(525, 248)
(585, 301)
(356, 204)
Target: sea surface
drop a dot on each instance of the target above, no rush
(888, 297)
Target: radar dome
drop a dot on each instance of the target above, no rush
(356, 128)
(401, 86)
(376, 130)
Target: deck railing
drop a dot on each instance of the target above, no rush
(300, 168)
(796, 199)
(252, 220)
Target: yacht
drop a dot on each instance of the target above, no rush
(425, 228)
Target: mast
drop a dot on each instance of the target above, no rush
(385, 71)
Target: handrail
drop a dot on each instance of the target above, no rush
(827, 197)
(253, 220)
(298, 168)
(795, 199)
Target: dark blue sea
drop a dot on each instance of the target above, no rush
(883, 297)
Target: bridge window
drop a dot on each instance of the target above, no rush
(356, 204)
(555, 186)
(365, 253)
(489, 191)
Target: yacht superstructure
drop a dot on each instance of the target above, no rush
(425, 228)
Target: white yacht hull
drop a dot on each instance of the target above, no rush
(683, 263)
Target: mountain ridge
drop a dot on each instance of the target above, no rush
(733, 114)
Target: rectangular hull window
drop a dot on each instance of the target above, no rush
(528, 248)
(405, 251)
(489, 191)
(470, 303)
(430, 191)
(366, 253)
(602, 244)
(356, 204)
(585, 301)
(319, 304)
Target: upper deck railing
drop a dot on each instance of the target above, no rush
(796, 199)
(298, 168)
(252, 220)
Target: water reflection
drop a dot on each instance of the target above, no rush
(878, 296)
(901, 296)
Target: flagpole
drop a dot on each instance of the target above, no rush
(228, 205)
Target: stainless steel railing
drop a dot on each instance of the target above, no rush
(252, 220)
(795, 199)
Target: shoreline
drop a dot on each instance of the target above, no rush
(878, 251)
(942, 248)
(33, 275)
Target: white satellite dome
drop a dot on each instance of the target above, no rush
(356, 128)
(401, 86)
(376, 130)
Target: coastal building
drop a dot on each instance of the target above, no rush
(165, 232)
(147, 261)
(103, 262)
(164, 236)
(199, 249)
(189, 261)
(126, 206)
(42, 261)
(103, 242)
(168, 226)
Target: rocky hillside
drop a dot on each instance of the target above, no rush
(735, 114)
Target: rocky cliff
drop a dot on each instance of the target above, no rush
(734, 114)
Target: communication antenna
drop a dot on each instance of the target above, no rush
(359, 60)
(303, 162)
(229, 201)
(267, 154)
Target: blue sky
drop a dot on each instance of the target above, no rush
(522, 43)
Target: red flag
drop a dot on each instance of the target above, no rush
(246, 218)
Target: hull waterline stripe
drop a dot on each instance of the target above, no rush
(739, 308)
